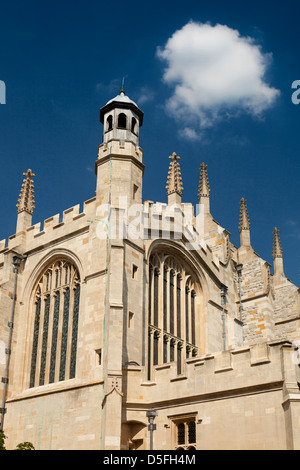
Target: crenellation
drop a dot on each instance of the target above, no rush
(213, 374)
(70, 213)
(51, 221)
(89, 206)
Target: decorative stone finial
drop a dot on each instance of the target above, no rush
(174, 182)
(244, 225)
(204, 189)
(277, 250)
(277, 255)
(244, 218)
(26, 198)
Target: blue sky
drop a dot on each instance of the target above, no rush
(62, 61)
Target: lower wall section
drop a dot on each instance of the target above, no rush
(242, 399)
(238, 423)
(66, 420)
(247, 398)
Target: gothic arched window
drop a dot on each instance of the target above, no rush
(56, 312)
(172, 313)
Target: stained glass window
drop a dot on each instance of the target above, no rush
(35, 338)
(54, 337)
(173, 312)
(74, 331)
(64, 338)
(44, 340)
(55, 329)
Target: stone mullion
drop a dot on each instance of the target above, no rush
(65, 330)
(176, 332)
(168, 312)
(151, 296)
(190, 315)
(172, 303)
(182, 302)
(166, 299)
(160, 312)
(156, 297)
(187, 314)
(193, 319)
(150, 353)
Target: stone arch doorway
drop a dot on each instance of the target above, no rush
(133, 436)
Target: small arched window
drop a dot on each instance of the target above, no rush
(122, 121)
(185, 433)
(181, 433)
(109, 123)
(56, 314)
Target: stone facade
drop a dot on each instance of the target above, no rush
(131, 305)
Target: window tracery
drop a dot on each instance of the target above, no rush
(56, 314)
(172, 313)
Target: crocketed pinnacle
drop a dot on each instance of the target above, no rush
(277, 250)
(203, 190)
(244, 218)
(174, 182)
(26, 198)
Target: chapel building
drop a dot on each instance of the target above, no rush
(128, 313)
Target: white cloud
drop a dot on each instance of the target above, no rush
(215, 72)
(145, 95)
(113, 86)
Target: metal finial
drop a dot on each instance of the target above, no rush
(122, 90)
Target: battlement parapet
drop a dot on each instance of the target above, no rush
(250, 369)
(68, 222)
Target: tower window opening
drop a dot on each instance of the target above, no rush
(122, 121)
(134, 271)
(135, 190)
(98, 356)
(109, 123)
(134, 125)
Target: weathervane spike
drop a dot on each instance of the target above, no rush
(122, 90)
